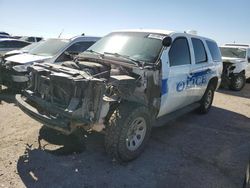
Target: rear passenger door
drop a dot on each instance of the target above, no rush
(175, 69)
(199, 69)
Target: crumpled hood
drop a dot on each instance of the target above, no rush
(27, 58)
(232, 60)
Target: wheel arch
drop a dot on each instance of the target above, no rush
(243, 72)
(213, 81)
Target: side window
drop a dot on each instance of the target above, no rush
(31, 39)
(17, 44)
(214, 50)
(199, 51)
(38, 39)
(80, 47)
(179, 54)
(248, 56)
(3, 44)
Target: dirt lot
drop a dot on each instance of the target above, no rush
(194, 151)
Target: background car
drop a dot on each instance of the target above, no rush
(14, 70)
(31, 39)
(9, 44)
(236, 65)
(4, 33)
(25, 49)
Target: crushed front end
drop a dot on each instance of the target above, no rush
(62, 98)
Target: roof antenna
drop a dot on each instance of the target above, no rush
(61, 33)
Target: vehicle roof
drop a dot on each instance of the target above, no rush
(11, 39)
(157, 31)
(84, 38)
(160, 31)
(30, 36)
(236, 45)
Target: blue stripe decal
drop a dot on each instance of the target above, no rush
(201, 73)
(164, 86)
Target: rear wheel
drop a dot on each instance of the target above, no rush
(247, 178)
(238, 82)
(128, 131)
(207, 100)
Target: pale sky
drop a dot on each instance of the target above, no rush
(223, 21)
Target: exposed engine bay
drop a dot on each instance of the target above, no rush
(81, 93)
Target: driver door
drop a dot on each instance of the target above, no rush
(176, 65)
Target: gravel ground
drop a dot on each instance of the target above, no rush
(193, 151)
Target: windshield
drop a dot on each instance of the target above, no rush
(31, 46)
(138, 46)
(49, 47)
(233, 52)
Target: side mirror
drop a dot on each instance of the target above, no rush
(167, 41)
(248, 59)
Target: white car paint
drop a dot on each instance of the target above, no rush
(172, 99)
(241, 64)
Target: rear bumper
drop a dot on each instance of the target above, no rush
(59, 124)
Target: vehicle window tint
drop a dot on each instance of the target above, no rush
(17, 44)
(38, 39)
(31, 39)
(199, 51)
(3, 44)
(214, 50)
(80, 47)
(248, 56)
(179, 53)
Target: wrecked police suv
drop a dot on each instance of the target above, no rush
(126, 83)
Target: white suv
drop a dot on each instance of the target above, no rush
(126, 83)
(236, 65)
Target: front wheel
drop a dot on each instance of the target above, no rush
(128, 131)
(238, 82)
(207, 100)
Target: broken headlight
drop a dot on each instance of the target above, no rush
(20, 68)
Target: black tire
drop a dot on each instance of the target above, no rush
(238, 82)
(207, 100)
(246, 183)
(121, 121)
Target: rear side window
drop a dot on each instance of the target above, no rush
(17, 44)
(3, 44)
(31, 39)
(38, 39)
(199, 51)
(80, 47)
(179, 53)
(214, 50)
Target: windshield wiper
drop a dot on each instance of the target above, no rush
(134, 61)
